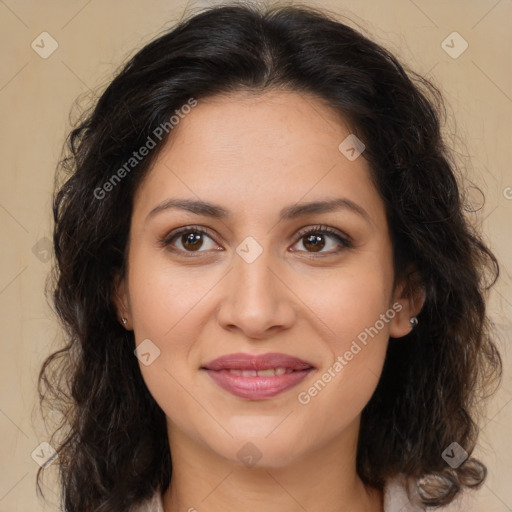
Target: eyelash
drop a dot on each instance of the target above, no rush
(345, 242)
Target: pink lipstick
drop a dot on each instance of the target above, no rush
(256, 377)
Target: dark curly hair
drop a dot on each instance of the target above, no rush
(112, 438)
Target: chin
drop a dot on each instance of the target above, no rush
(261, 451)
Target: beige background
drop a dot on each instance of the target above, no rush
(94, 38)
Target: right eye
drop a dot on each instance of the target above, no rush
(189, 240)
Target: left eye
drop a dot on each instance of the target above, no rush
(314, 240)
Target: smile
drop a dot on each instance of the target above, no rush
(257, 377)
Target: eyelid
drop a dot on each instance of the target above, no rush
(322, 228)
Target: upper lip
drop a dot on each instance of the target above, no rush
(242, 361)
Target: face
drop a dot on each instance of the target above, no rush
(289, 267)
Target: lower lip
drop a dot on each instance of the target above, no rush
(257, 388)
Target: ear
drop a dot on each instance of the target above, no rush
(410, 294)
(121, 300)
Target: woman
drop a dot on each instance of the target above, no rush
(272, 296)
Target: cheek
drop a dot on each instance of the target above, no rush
(349, 302)
(159, 303)
(168, 307)
(343, 387)
(354, 314)
(163, 295)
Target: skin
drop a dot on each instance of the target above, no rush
(254, 154)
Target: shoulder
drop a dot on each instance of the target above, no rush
(396, 499)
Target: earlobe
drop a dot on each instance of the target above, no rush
(411, 303)
(119, 298)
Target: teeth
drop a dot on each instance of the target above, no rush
(266, 373)
(270, 372)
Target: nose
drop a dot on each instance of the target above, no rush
(256, 300)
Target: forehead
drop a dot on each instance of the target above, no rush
(273, 147)
(252, 126)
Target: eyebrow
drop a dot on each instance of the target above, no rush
(199, 207)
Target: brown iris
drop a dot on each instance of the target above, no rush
(192, 240)
(315, 242)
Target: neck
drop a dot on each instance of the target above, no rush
(324, 480)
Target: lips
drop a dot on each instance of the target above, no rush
(245, 362)
(256, 377)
